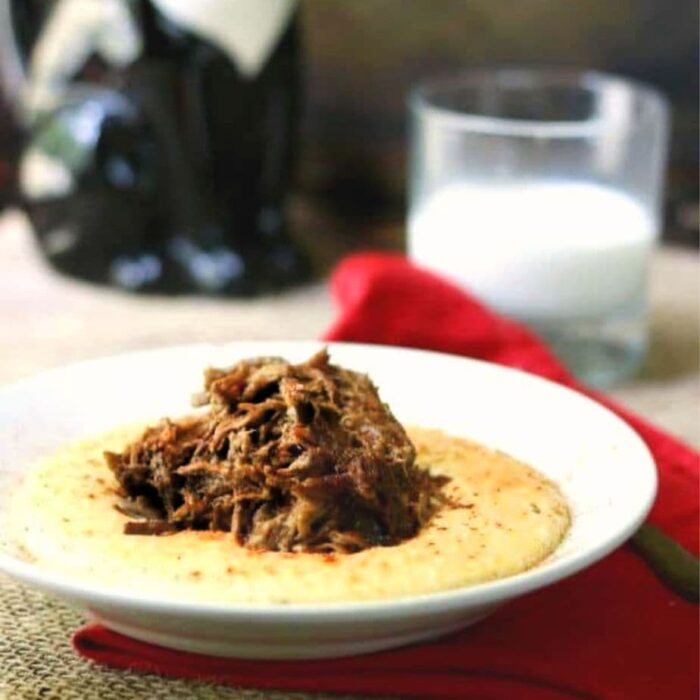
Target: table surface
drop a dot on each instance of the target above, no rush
(50, 320)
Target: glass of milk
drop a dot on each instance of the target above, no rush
(540, 192)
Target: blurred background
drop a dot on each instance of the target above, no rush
(346, 129)
(360, 58)
(364, 55)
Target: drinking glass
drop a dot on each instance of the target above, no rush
(540, 192)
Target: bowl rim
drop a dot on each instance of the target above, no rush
(489, 592)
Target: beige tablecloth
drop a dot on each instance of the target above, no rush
(48, 320)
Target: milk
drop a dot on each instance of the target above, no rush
(540, 252)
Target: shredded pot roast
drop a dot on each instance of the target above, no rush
(288, 457)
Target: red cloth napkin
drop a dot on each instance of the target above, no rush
(612, 631)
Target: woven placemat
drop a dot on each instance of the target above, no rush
(37, 660)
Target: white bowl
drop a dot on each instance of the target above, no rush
(604, 469)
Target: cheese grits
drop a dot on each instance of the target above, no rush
(296, 485)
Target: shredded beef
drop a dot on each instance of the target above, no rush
(288, 457)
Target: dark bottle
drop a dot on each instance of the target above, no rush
(159, 140)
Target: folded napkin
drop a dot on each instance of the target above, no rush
(612, 631)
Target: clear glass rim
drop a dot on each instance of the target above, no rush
(421, 104)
